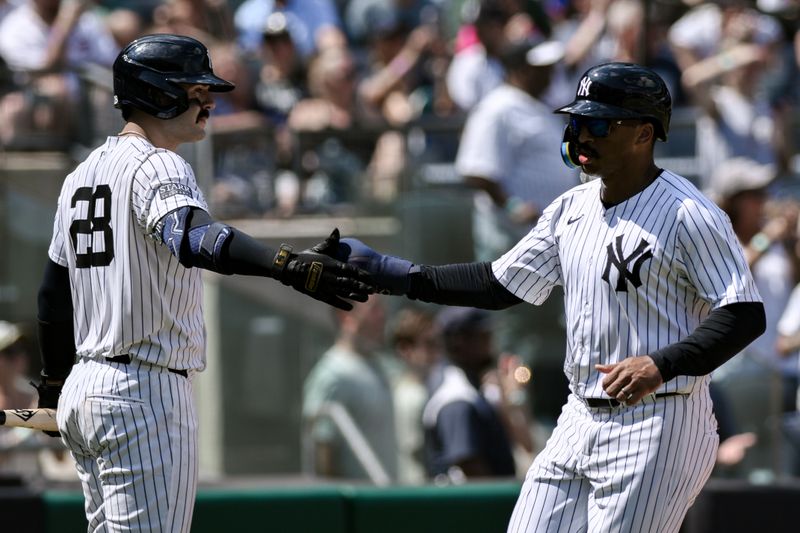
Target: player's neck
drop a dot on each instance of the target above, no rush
(134, 130)
(616, 189)
(150, 133)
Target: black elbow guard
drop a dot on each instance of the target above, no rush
(212, 245)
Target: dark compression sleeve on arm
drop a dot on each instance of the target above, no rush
(466, 284)
(245, 255)
(724, 333)
(55, 330)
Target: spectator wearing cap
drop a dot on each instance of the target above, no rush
(507, 155)
(464, 434)
(506, 149)
(765, 228)
(740, 187)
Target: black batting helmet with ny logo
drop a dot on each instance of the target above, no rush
(148, 71)
(618, 91)
(621, 91)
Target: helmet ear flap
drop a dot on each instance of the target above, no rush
(141, 90)
(569, 150)
(569, 155)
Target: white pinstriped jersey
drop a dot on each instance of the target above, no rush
(129, 293)
(637, 276)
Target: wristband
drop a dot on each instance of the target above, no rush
(282, 259)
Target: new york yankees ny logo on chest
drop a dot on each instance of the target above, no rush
(627, 267)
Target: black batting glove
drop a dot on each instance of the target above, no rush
(315, 273)
(49, 392)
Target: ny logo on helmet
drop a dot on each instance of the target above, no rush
(583, 88)
(617, 258)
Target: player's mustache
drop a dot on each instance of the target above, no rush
(204, 112)
(585, 150)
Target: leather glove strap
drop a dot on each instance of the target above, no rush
(281, 260)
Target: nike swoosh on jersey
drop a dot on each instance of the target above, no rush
(573, 220)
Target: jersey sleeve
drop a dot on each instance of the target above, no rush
(164, 182)
(532, 267)
(712, 258)
(58, 244)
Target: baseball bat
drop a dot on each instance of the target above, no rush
(44, 419)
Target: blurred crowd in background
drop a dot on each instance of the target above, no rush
(342, 106)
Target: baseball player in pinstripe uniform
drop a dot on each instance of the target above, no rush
(657, 294)
(131, 223)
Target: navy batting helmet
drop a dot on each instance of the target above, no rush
(618, 91)
(148, 71)
(623, 90)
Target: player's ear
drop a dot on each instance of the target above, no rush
(646, 133)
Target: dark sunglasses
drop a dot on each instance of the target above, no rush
(597, 127)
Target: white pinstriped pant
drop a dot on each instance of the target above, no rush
(132, 430)
(625, 470)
